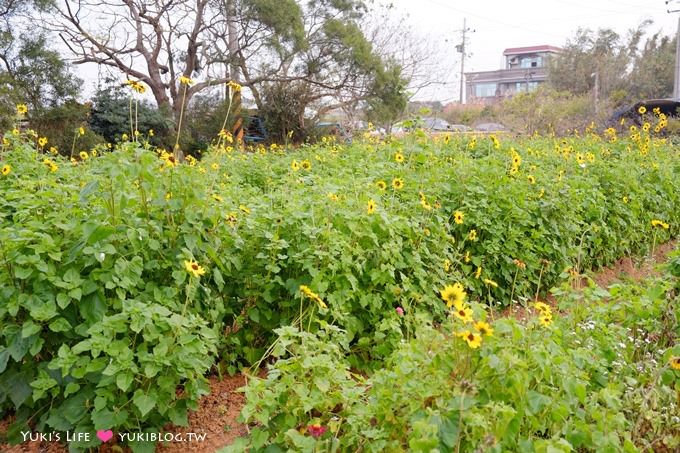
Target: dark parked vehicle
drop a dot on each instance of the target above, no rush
(668, 107)
(254, 130)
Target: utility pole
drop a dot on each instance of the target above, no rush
(676, 80)
(461, 48)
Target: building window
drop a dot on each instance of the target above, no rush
(521, 87)
(531, 62)
(485, 90)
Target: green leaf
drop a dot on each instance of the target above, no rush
(22, 273)
(30, 328)
(60, 325)
(4, 358)
(145, 403)
(103, 419)
(124, 380)
(63, 300)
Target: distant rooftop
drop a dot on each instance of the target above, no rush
(520, 50)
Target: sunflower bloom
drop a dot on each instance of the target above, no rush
(478, 272)
(83, 155)
(474, 340)
(194, 268)
(22, 109)
(545, 320)
(382, 185)
(642, 110)
(660, 224)
(81, 131)
(674, 362)
(542, 307)
(6, 169)
(306, 165)
(308, 293)
(472, 235)
(42, 141)
(399, 157)
(490, 282)
(458, 217)
(398, 183)
(453, 294)
(463, 312)
(371, 206)
(294, 165)
(483, 328)
(235, 87)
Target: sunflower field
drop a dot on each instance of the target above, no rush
(369, 279)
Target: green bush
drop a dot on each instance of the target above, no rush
(598, 379)
(81, 247)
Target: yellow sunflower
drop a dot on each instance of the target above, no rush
(483, 328)
(490, 282)
(6, 169)
(458, 217)
(194, 268)
(453, 294)
(382, 185)
(545, 319)
(674, 363)
(398, 183)
(399, 157)
(463, 312)
(474, 340)
(371, 206)
(660, 224)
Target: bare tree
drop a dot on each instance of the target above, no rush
(155, 41)
(317, 44)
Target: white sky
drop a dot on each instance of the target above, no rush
(499, 24)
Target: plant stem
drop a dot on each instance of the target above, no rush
(538, 286)
(179, 125)
(219, 140)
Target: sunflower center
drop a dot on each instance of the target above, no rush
(471, 337)
(194, 266)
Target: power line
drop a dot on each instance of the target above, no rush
(488, 19)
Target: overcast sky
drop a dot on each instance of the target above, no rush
(499, 24)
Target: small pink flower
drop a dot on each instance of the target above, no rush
(400, 311)
(316, 431)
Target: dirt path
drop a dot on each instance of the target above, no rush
(218, 411)
(636, 269)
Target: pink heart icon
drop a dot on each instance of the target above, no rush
(105, 436)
